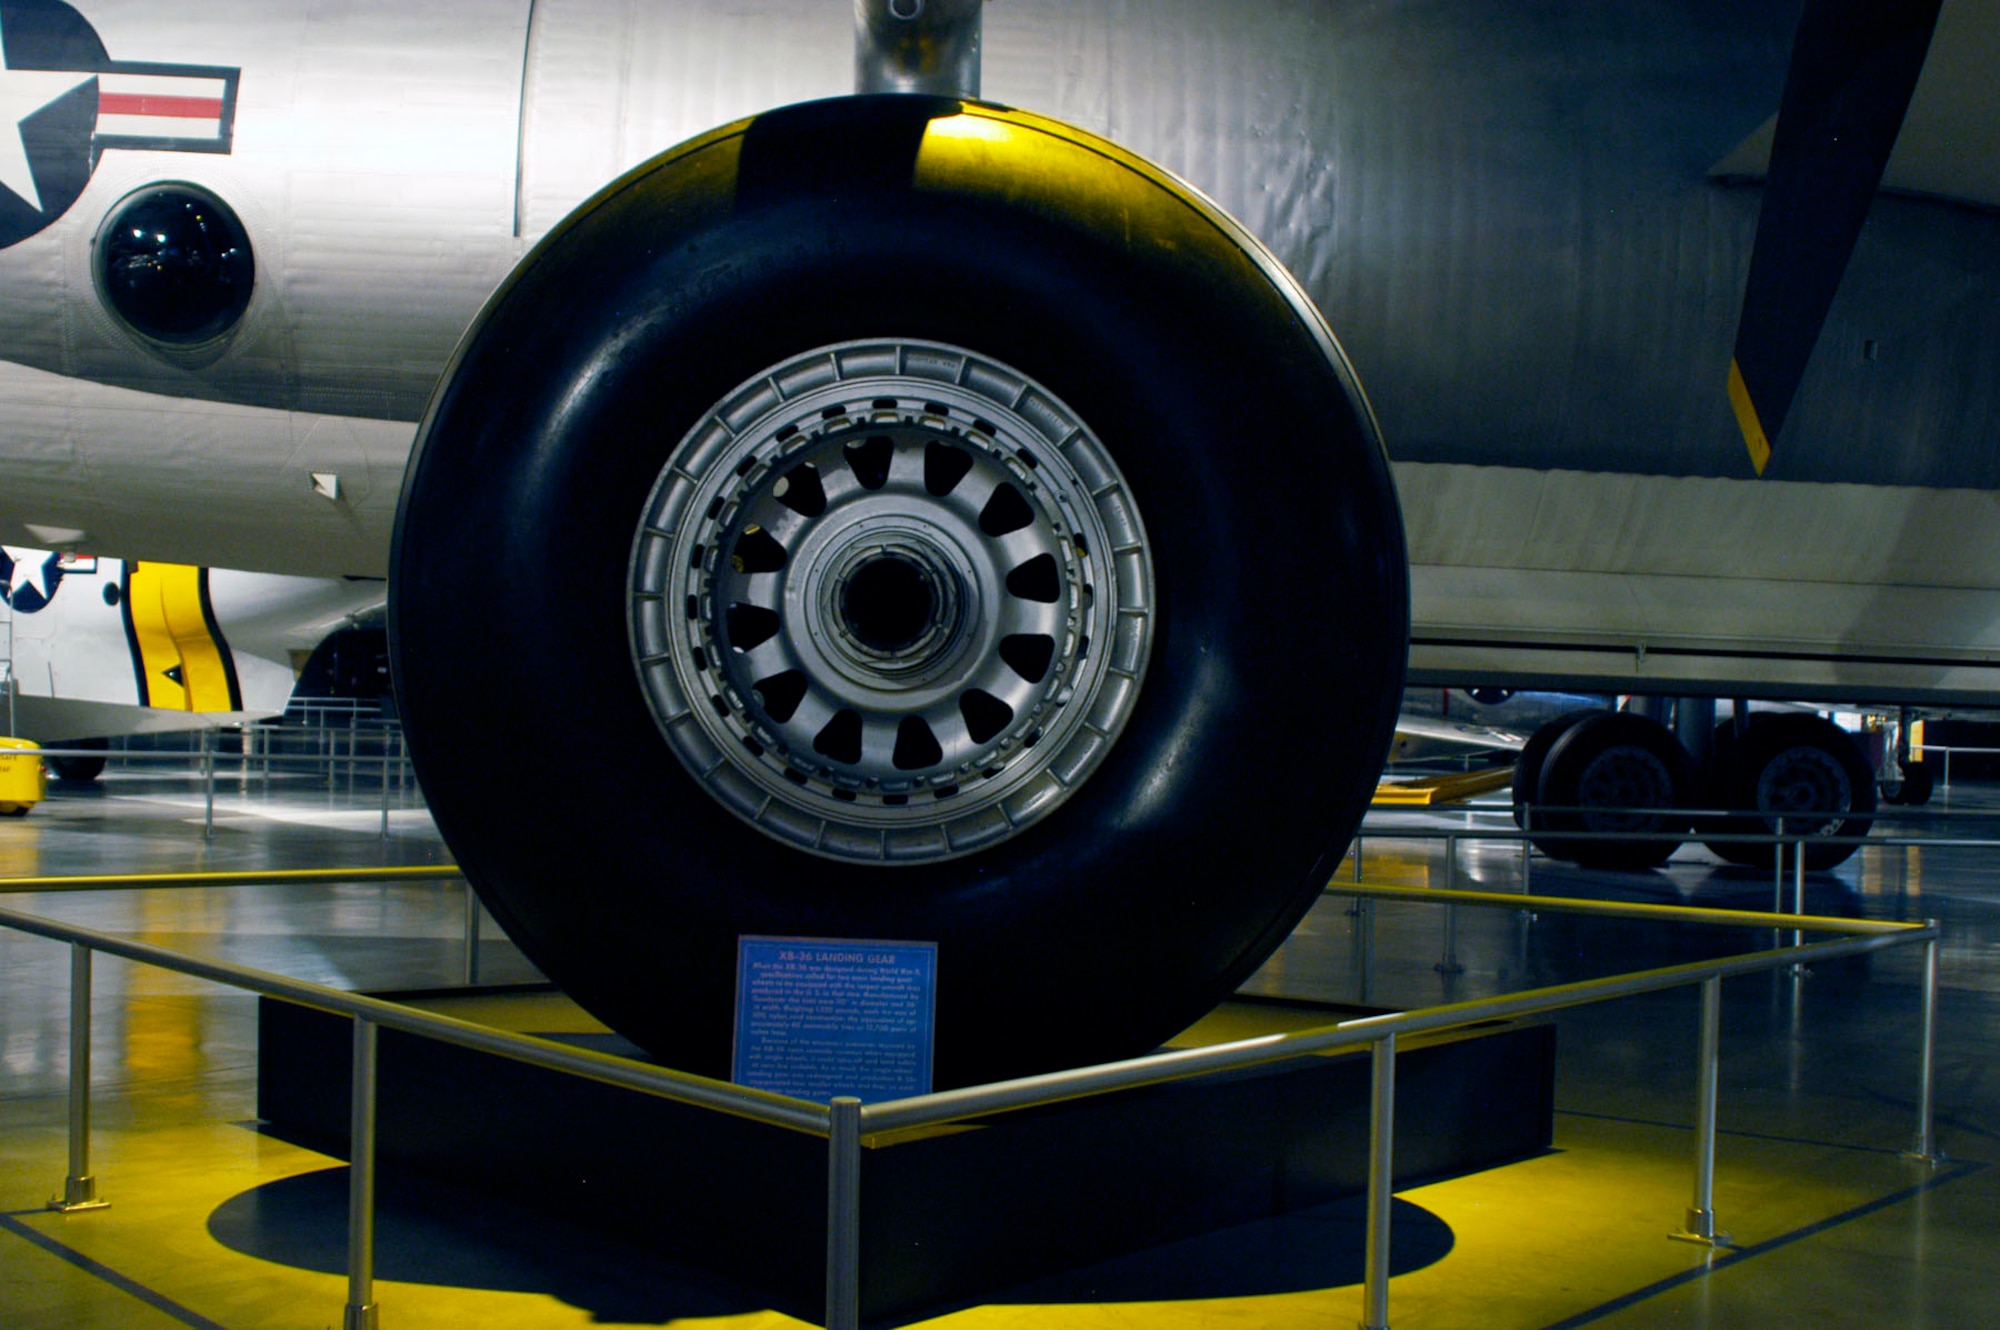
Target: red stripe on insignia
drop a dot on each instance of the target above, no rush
(178, 108)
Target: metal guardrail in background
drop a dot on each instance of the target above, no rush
(1526, 834)
(475, 913)
(846, 1121)
(1944, 783)
(395, 775)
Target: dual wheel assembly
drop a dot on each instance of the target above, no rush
(1625, 782)
(904, 519)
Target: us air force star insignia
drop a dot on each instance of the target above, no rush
(64, 102)
(32, 577)
(23, 93)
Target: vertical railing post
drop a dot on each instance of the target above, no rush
(1701, 1213)
(79, 1188)
(1381, 1181)
(385, 787)
(1527, 848)
(1798, 892)
(473, 918)
(362, 1310)
(1354, 903)
(208, 783)
(1449, 963)
(1778, 871)
(1925, 1147)
(1364, 947)
(843, 1214)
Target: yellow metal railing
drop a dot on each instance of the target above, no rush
(846, 1121)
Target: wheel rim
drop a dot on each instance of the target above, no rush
(1624, 776)
(890, 601)
(1804, 782)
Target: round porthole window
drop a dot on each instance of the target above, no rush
(174, 264)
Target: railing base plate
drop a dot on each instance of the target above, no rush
(78, 1194)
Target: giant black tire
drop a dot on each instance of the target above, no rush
(1528, 764)
(1278, 597)
(78, 770)
(1790, 767)
(1615, 760)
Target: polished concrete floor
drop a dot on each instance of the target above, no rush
(214, 1223)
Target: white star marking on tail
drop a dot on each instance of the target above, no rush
(22, 93)
(31, 568)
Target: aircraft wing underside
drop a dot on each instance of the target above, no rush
(1620, 583)
(1590, 580)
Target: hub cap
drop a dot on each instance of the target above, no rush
(1625, 776)
(1807, 787)
(890, 602)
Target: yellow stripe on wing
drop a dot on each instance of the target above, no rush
(1746, 419)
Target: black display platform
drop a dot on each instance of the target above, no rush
(946, 1214)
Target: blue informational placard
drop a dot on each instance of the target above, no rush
(820, 1017)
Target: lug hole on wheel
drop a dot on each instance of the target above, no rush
(1004, 512)
(985, 715)
(750, 626)
(869, 461)
(916, 746)
(1037, 580)
(840, 739)
(944, 467)
(781, 694)
(1028, 654)
(757, 551)
(888, 604)
(801, 491)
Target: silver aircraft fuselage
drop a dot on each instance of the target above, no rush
(1509, 214)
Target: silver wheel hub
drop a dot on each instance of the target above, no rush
(890, 602)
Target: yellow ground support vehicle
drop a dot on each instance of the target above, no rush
(23, 782)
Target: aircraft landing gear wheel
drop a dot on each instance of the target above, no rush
(1607, 761)
(1914, 790)
(79, 770)
(1528, 764)
(931, 524)
(1803, 770)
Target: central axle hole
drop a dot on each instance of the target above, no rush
(888, 603)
